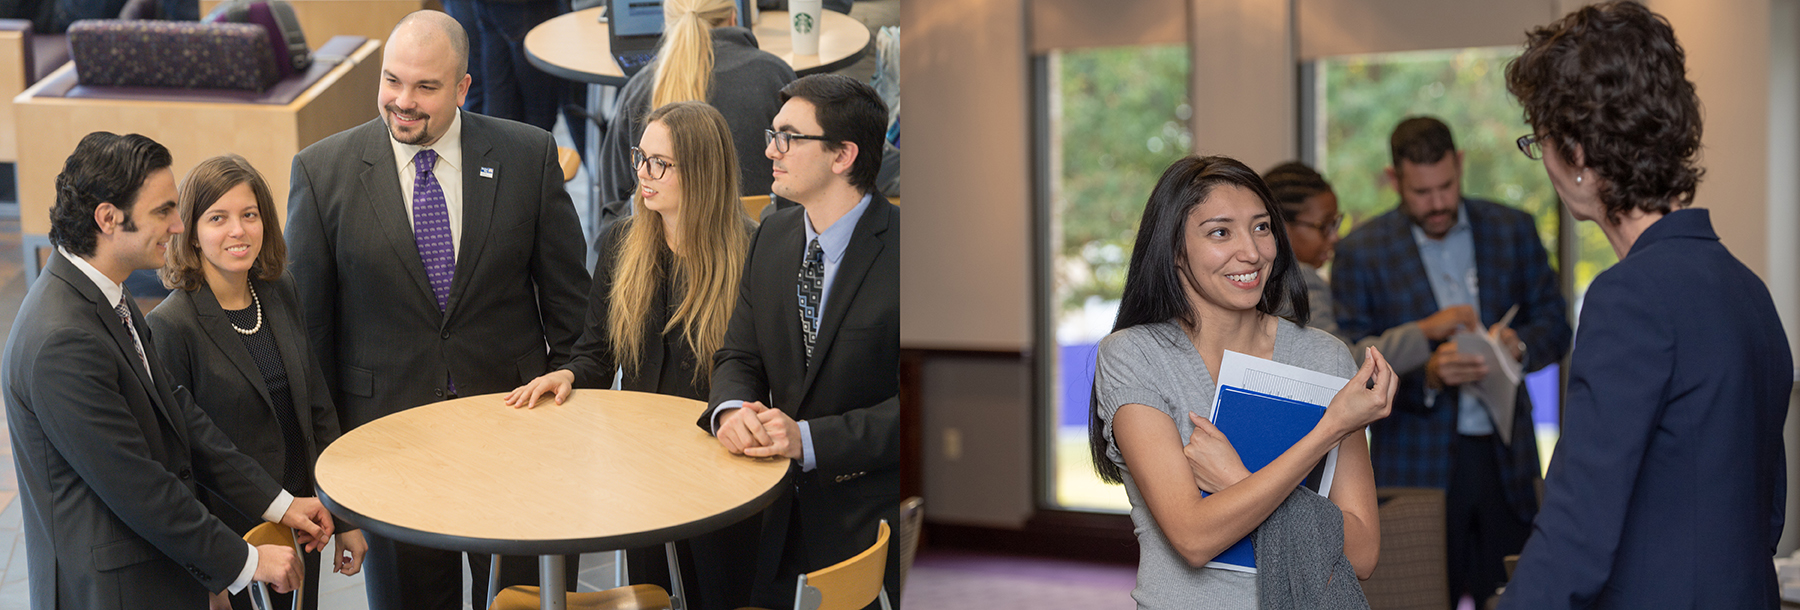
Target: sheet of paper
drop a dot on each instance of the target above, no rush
(1500, 387)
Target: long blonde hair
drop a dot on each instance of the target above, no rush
(684, 64)
(714, 243)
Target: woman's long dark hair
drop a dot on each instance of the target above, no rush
(1154, 289)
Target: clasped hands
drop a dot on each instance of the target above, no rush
(760, 431)
(1368, 398)
(313, 526)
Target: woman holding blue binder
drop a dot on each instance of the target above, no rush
(1211, 270)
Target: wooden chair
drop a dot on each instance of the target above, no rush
(753, 205)
(912, 518)
(849, 585)
(628, 597)
(279, 535)
(1412, 572)
(570, 162)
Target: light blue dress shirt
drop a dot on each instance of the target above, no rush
(834, 241)
(1450, 265)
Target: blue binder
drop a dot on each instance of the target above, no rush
(1261, 427)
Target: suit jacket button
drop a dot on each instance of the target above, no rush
(185, 474)
(446, 334)
(439, 392)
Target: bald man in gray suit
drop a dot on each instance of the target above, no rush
(437, 255)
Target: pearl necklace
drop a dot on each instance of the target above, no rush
(258, 304)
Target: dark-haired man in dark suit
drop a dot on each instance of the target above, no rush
(810, 366)
(1439, 249)
(110, 457)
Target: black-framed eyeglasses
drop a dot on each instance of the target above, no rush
(1326, 228)
(1529, 145)
(784, 140)
(658, 167)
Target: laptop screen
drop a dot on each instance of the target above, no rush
(637, 18)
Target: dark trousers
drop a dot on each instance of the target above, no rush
(515, 89)
(717, 568)
(463, 11)
(1481, 528)
(401, 576)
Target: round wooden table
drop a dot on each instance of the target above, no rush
(577, 46)
(605, 470)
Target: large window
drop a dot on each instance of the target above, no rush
(1115, 118)
(1359, 101)
(1111, 119)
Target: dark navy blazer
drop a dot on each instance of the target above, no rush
(1378, 282)
(1668, 486)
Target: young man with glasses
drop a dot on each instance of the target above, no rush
(810, 366)
(1435, 250)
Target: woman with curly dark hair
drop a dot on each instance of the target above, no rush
(1668, 486)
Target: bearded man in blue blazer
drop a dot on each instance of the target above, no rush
(1439, 249)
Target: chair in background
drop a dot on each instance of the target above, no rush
(1412, 572)
(754, 204)
(628, 597)
(279, 535)
(849, 585)
(912, 518)
(570, 162)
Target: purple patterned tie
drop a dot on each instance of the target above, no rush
(431, 227)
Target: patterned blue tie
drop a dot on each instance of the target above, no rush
(431, 227)
(811, 289)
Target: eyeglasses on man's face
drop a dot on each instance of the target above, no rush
(1529, 145)
(1325, 229)
(658, 167)
(784, 140)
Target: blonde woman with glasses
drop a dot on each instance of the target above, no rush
(663, 291)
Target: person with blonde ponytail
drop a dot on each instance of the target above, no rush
(661, 299)
(703, 58)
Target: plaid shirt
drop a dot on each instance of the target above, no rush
(1378, 281)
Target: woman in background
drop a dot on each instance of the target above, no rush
(1310, 208)
(663, 291)
(1211, 270)
(703, 58)
(231, 332)
(1668, 489)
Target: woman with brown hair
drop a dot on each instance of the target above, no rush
(232, 334)
(663, 292)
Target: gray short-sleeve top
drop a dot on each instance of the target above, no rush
(1155, 365)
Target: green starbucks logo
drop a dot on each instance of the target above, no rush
(803, 23)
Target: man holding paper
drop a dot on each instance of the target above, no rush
(1438, 249)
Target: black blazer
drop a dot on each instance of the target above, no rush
(201, 351)
(849, 396)
(110, 464)
(372, 319)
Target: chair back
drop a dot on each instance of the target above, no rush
(279, 535)
(754, 204)
(851, 584)
(1412, 572)
(912, 518)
